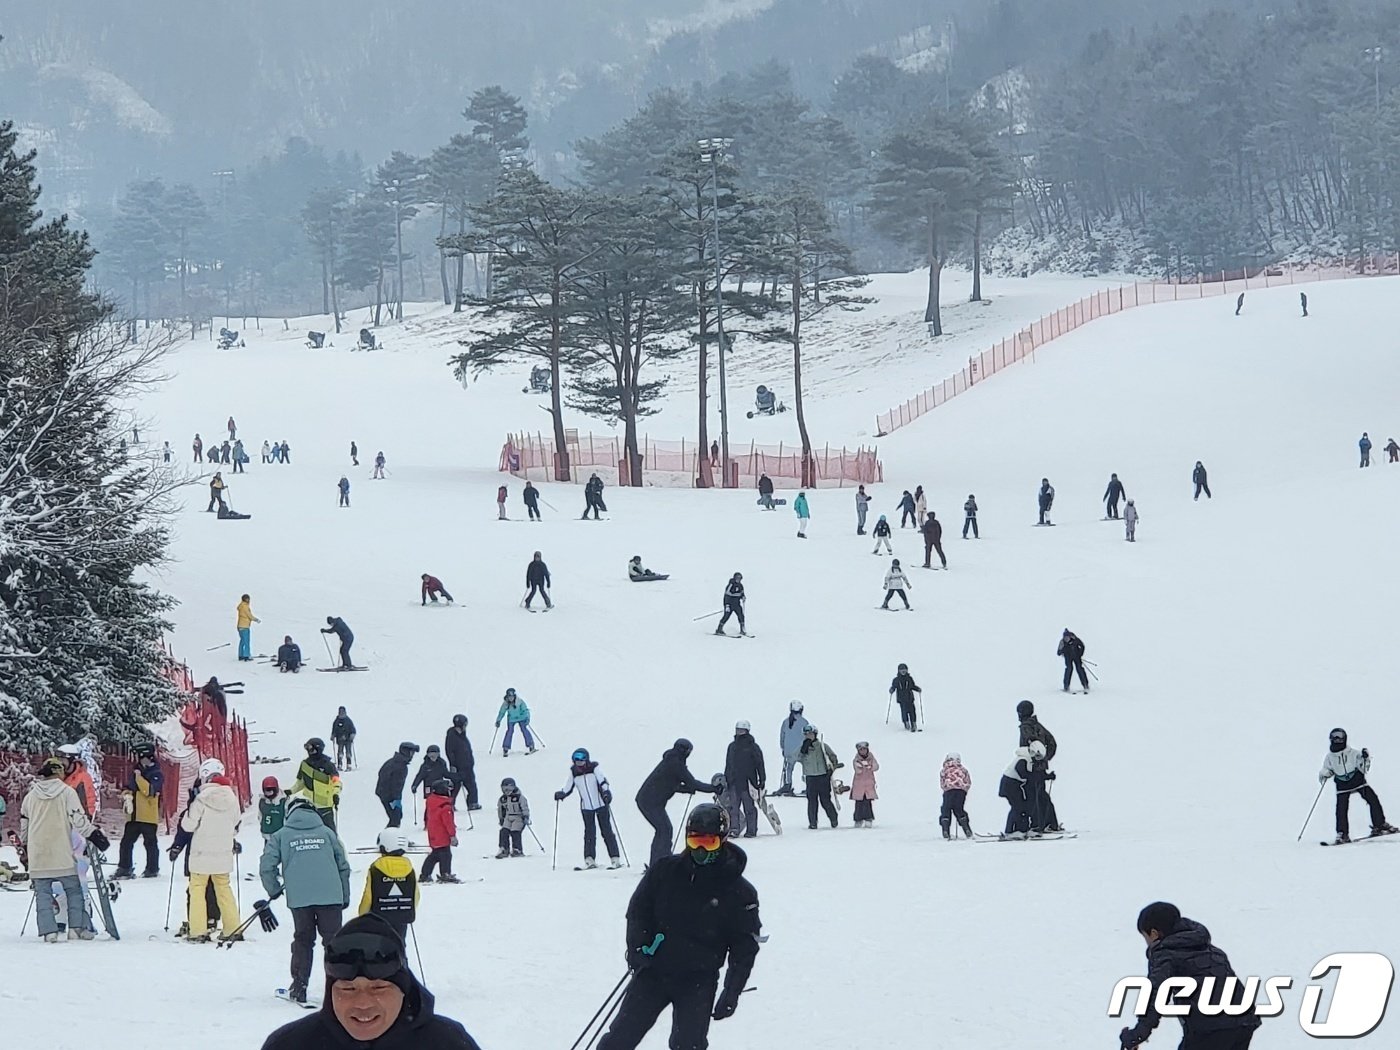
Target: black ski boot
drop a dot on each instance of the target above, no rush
(947, 826)
(297, 992)
(966, 825)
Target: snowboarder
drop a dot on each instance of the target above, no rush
(920, 505)
(933, 541)
(1180, 948)
(48, 817)
(1130, 520)
(306, 861)
(343, 736)
(881, 533)
(1071, 647)
(1031, 730)
(354, 454)
(1013, 789)
(1349, 768)
(439, 819)
(804, 515)
(1392, 450)
(216, 492)
(458, 750)
(393, 774)
(862, 508)
(955, 782)
(670, 777)
(538, 581)
(1113, 494)
(341, 629)
(638, 574)
(691, 911)
(246, 619)
(501, 504)
(517, 715)
(743, 775)
(594, 802)
(902, 688)
(1365, 446)
(765, 492)
(319, 780)
(513, 815)
(790, 736)
(198, 447)
(391, 884)
(819, 762)
(432, 769)
(970, 517)
(212, 823)
(378, 473)
(1045, 500)
(343, 485)
(141, 800)
(863, 769)
(1239, 304)
(272, 808)
(593, 497)
(733, 603)
(1199, 479)
(896, 583)
(432, 587)
(906, 510)
(531, 495)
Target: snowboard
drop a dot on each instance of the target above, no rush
(337, 670)
(281, 993)
(651, 579)
(106, 892)
(766, 808)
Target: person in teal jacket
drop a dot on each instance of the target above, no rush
(516, 713)
(306, 861)
(799, 505)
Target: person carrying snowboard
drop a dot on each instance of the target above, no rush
(1113, 494)
(902, 688)
(933, 541)
(341, 629)
(970, 517)
(441, 824)
(1045, 500)
(733, 603)
(790, 737)
(391, 884)
(517, 715)
(1347, 767)
(513, 815)
(743, 776)
(595, 806)
(538, 581)
(819, 762)
(1199, 479)
(955, 782)
(1072, 649)
(393, 774)
(432, 588)
(881, 532)
(531, 496)
(49, 816)
(1130, 520)
(671, 777)
(343, 736)
(896, 583)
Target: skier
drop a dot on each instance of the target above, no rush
(343, 736)
(955, 782)
(77, 777)
(288, 655)
(501, 504)
(862, 508)
(1040, 810)
(670, 777)
(920, 505)
(378, 473)
(432, 769)
(538, 581)
(593, 497)
(432, 587)
(141, 800)
(441, 823)
(246, 619)
(1013, 789)
(733, 603)
(276, 452)
(819, 762)
(896, 583)
(1239, 304)
(513, 815)
(881, 533)
(212, 822)
(1130, 520)
(1365, 446)
(902, 688)
(933, 541)
(319, 780)
(1350, 766)
(804, 515)
(226, 453)
(970, 517)
(743, 776)
(638, 574)
(1199, 479)
(48, 817)
(765, 492)
(1113, 494)
(393, 774)
(1392, 450)
(198, 447)
(272, 808)
(1303, 302)
(458, 750)
(1071, 647)
(216, 492)
(239, 458)
(863, 769)
(1031, 731)
(341, 629)
(354, 453)
(232, 429)
(391, 884)
(1180, 948)
(343, 485)
(1045, 500)
(594, 802)
(517, 714)
(790, 736)
(306, 861)
(691, 911)
(532, 501)
(906, 510)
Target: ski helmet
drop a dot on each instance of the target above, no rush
(270, 784)
(69, 750)
(508, 784)
(882, 517)
(442, 787)
(580, 755)
(299, 802)
(433, 749)
(903, 668)
(142, 751)
(1025, 709)
(210, 767)
(738, 576)
(1036, 748)
(795, 707)
(409, 748)
(510, 694)
(742, 727)
(811, 729)
(460, 721)
(953, 756)
(862, 744)
(683, 745)
(315, 746)
(391, 841)
(1338, 739)
(708, 823)
(894, 563)
(719, 782)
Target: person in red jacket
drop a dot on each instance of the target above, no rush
(501, 503)
(432, 587)
(442, 833)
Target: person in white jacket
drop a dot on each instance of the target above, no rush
(1130, 516)
(595, 806)
(48, 816)
(1349, 767)
(896, 583)
(212, 821)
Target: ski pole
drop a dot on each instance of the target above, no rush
(706, 616)
(538, 843)
(1091, 673)
(554, 864)
(415, 809)
(414, 934)
(539, 739)
(33, 896)
(551, 506)
(618, 831)
(606, 1002)
(1320, 789)
(169, 896)
(329, 657)
(493, 737)
(228, 942)
(921, 709)
(213, 647)
(888, 708)
(680, 828)
(238, 881)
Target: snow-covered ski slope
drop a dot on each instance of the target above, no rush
(1229, 639)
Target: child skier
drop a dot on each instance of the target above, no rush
(378, 472)
(442, 833)
(863, 769)
(902, 688)
(391, 884)
(955, 781)
(595, 801)
(513, 814)
(1350, 766)
(272, 808)
(516, 713)
(804, 515)
(1130, 519)
(896, 583)
(1013, 789)
(432, 769)
(882, 536)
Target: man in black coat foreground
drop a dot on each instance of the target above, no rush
(670, 778)
(393, 774)
(743, 775)
(458, 750)
(372, 999)
(691, 911)
(1178, 947)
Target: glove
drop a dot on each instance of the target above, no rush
(99, 840)
(498, 725)
(237, 847)
(1049, 776)
(725, 1005)
(265, 916)
(1322, 778)
(1128, 1039)
(397, 804)
(277, 894)
(642, 956)
(607, 798)
(454, 840)
(559, 796)
(1365, 753)
(173, 853)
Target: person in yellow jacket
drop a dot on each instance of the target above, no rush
(319, 780)
(391, 884)
(141, 800)
(246, 619)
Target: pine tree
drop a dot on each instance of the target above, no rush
(498, 117)
(323, 219)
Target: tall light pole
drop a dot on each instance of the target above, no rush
(1374, 55)
(225, 176)
(396, 198)
(710, 151)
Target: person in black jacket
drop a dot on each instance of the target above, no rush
(393, 774)
(458, 750)
(372, 1000)
(970, 517)
(538, 581)
(1180, 947)
(593, 497)
(341, 630)
(902, 688)
(1199, 479)
(288, 655)
(691, 912)
(343, 736)
(743, 775)
(1045, 499)
(733, 603)
(1032, 730)
(670, 778)
(933, 540)
(765, 492)
(432, 769)
(1113, 494)
(1072, 649)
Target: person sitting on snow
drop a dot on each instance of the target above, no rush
(637, 574)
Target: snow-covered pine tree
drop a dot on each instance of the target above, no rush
(79, 519)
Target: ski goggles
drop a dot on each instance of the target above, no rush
(363, 956)
(580, 756)
(708, 843)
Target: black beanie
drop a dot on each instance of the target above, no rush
(1025, 709)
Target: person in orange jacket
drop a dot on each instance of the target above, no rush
(77, 777)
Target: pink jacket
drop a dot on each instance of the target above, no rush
(954, 776)
(863, 777)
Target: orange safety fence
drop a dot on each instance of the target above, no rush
(1115, 300)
